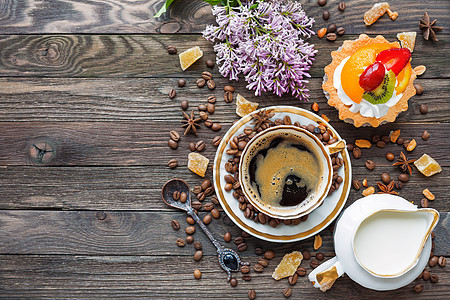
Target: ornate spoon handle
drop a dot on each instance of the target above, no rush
(208, 233)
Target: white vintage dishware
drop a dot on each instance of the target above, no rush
(370, 228)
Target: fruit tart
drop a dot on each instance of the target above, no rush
(369, 81)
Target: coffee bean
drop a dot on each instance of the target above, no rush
(176, 195)
(314, 264)
(424, 202)
(320, 256)
(301, 271)
(370, 164)
(180, 242)
(385, 178)
(197, 189)
(340, 30)
(331, 28)
(233, 282)
(208, 206)
(356, 152)
(216, 141)
(174, 135)
(326, 15)
(287, 292)
(400, 141)
(205, 184)
(331, 36)
(386, 139)
(245, 269)
(190, 220)
(228, 88)
(181, 82)
(426, 275)
(198, 255)
(433, 261)
(189, 239)
(200, 146)
(258, 268)
(403, 177)
(211, 84)
(306, 254)
(251, 294)
(322, 2)
(293, 279)
(175, 225)
(202, 107)
(390, 156)
(341, 6)
(212, 99)
(242, 247)
(200, 82)
(259, 251)
(192, 146)
(381, 144)
(206, 75)
(208, 123)
(227, 237)
(184, 104)
(209, 63)
(406, 143)
(190, 230)
(197, 274)
(246, 277)
(425, 135)
(263, 262)
(419, 89)
(183, 197)
(442, 261)
(216, 127)
(398, 185)
(423, 109)
(172, 93)
(418, 288)
(215, 213)
(228, 97)
(172, 50)
(434, 278)
(269, 254)
(207, 219)
(172, 144)
(239, 240)
(203, 115)
(173, 163)
(198, 245)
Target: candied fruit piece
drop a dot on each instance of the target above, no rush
(197, 163)
(190, 56)
(377, 10)
(427, 165)
(407, 39)
(244, 107)
(288, 265)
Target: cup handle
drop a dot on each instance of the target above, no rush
(336, 147)
(326, 274)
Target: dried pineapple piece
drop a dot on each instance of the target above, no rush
(407, 39)
(288, 265)
(427, 165)
(244, 107)
(377, 10)
(197, 163)
(190, 56)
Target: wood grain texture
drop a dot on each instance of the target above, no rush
(66, 276)
(136, 233)
(146, 55)
(146, 99)
(189, 16)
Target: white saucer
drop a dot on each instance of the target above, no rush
(319, 219)
(343, 233)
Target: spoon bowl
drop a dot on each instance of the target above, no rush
(172, 186)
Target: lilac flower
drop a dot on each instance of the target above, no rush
(263, 42)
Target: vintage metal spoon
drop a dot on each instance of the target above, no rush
(229, 260)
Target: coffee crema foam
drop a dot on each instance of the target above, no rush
(283, 170)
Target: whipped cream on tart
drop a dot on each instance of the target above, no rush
(351, 106)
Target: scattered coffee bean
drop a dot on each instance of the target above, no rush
(239, 240)
(212, 99)
(172, 93)
(258, 268)
(196, 205)
(287, 292)
(350, 147)
(197, 274)
(173, 163)
(210, 108)
(181, 82)
(172, 50)
(172, 144)
(227, 237)
(208, 206)
(189, 239)
(233, 282)
(426, 275)
(370, 164)
(398, 185)
(320, 256)
(341, 6)
(209, 63)
(434, 278)
(403, 177)
(269, 254)
(326, 15)
(424, 202)
(228, 96)
(246, 277)
(192, 146)
(259, 251)
(200, 82)
(190, 230)
(198, 245)
(245, 269)
(425, 135)
(197, 189)
(207, 219)
(198, 255)
(331, 36)
(381, 144)
(419, 89)
(301, 271)
(314, 264)
(418, 288)
(228, 88)
(200, 146)
(202, 107)
(211, 84)
(183, 197)
(184, 104)
(385, 178)
(390, 156)
(174, 135)
(215, 213)
(331, 28)
(206, 75)
(433, 261)
(216, 127)
(205, 184)
(251, 294)
(442, 261)
(423, 109)
(306, 254)
(340, 31)
(293, 279)
(400, 141)
(263, 262)
(216, 141)
(406, 143)
(356, 152)
(242, 247)
(322, 2)
(190, 220)
(175, 225)
(181, 242)
(203, 115)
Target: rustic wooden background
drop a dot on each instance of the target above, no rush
(91, 78)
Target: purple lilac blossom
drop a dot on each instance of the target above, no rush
(263, 42)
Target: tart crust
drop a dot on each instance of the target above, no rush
(347, 49)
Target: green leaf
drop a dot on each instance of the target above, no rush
(163, 9)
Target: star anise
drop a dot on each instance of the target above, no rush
(403, 162)
(387, 189)
(428, 27)
(191, 123)
(262, 117)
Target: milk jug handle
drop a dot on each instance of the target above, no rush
(326, 273)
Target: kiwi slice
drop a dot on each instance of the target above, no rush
(383, 92)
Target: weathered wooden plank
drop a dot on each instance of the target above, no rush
(170, 277)
(138, 188)
(145, 143)
(115, 16)
(135, 233)
(146, 99)
(146, 55)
